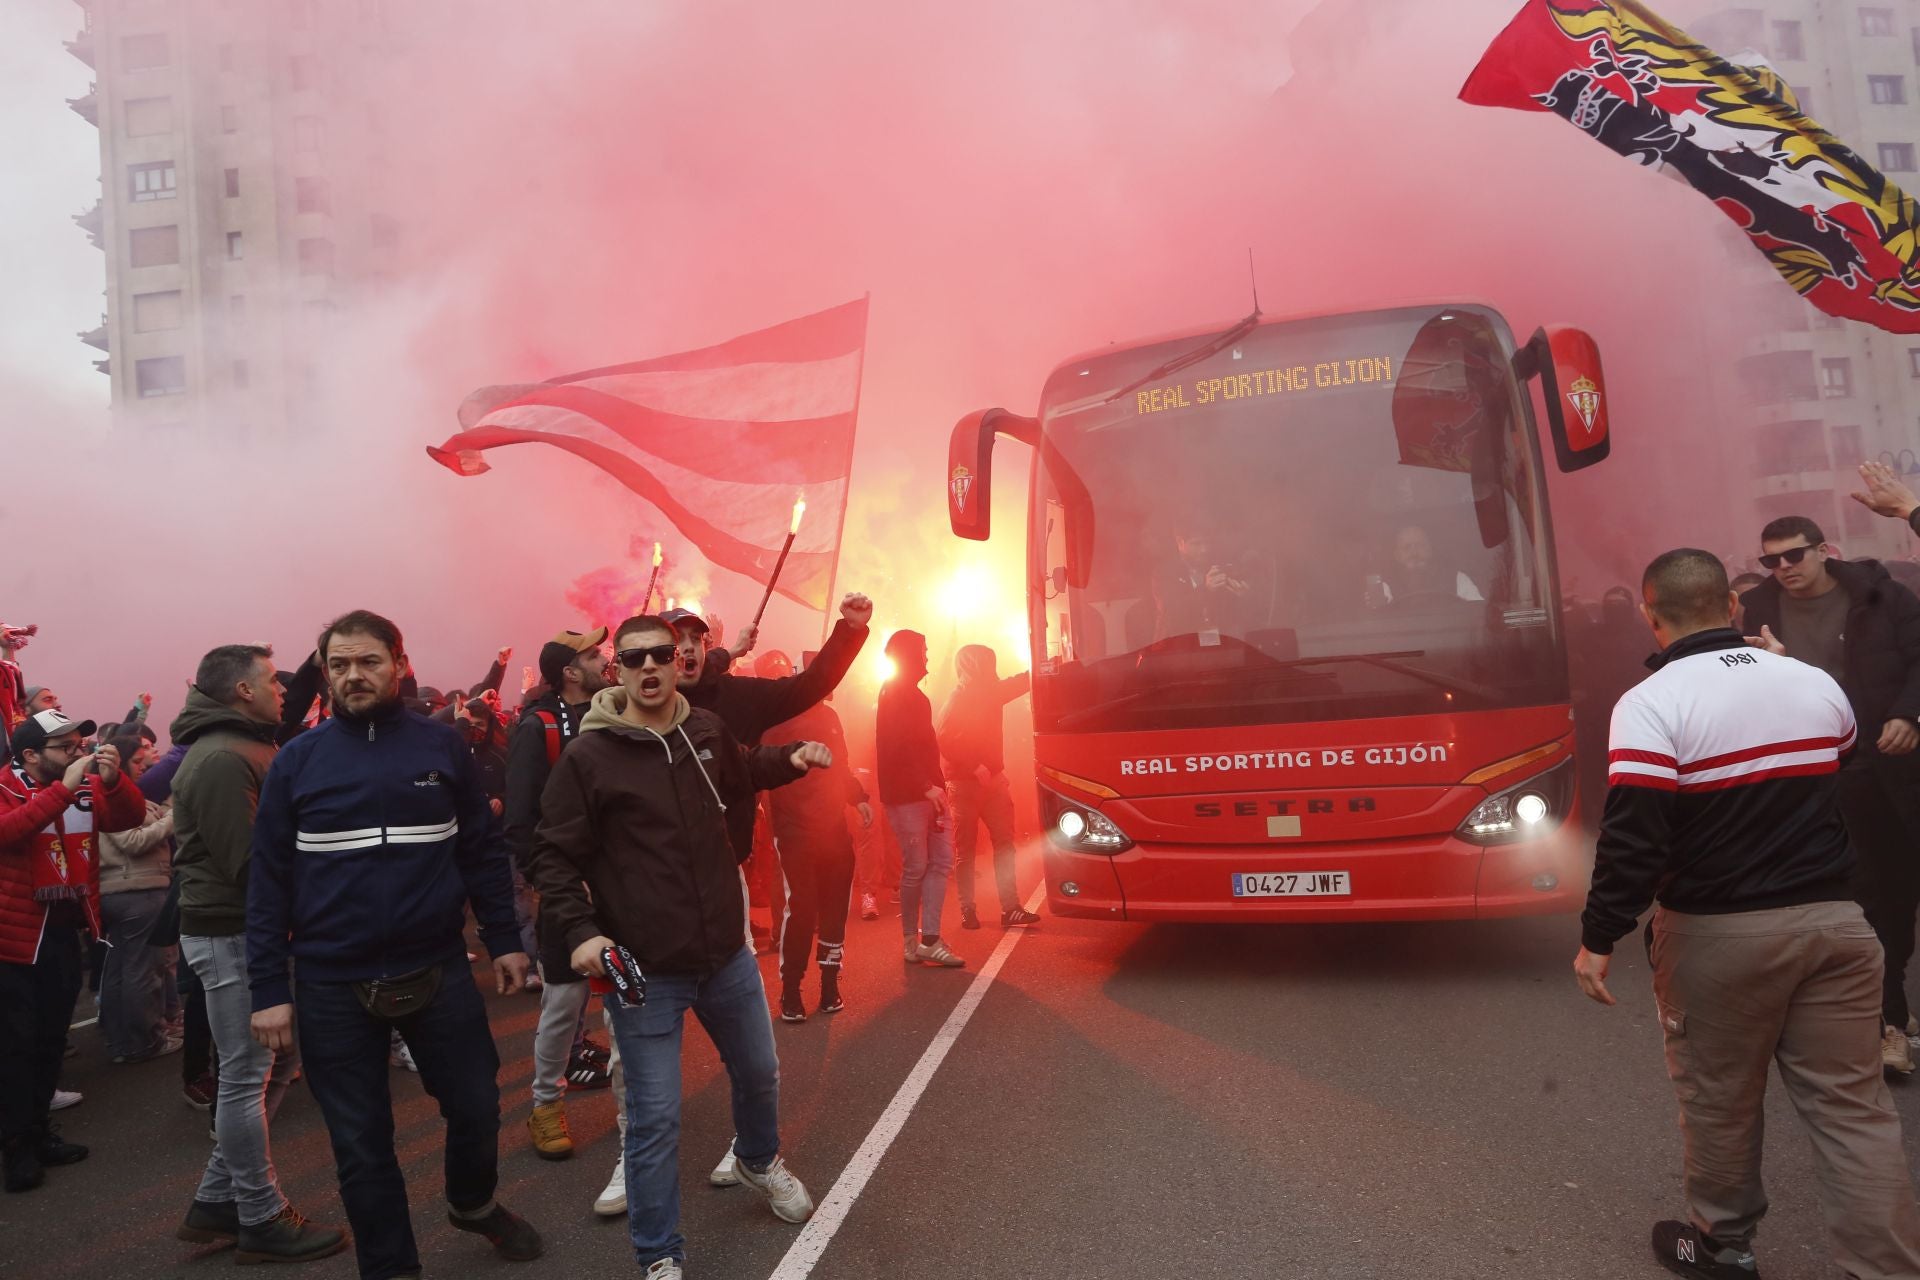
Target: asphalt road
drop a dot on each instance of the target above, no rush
(1127, 1102)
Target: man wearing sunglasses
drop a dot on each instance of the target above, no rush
(1853, 621)
(633, 849)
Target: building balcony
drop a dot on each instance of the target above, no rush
(104, 366)
(90, 222)
(96, 337)
(87, 106)
(81, 47)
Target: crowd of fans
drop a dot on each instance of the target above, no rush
(284, 886)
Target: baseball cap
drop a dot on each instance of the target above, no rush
(581, 641)
(678, 618)
(36, 731)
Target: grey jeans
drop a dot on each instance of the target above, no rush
(135, 978)
(253, 1080)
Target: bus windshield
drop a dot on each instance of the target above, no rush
(1321, 520)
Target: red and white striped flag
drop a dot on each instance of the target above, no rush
(722, 440)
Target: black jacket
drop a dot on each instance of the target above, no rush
(1882, 643)
(637, 817)
(528, 767)
(904, 741)
(750, 706)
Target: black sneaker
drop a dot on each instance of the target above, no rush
(1017, 916)
(207, 1222)
(53, 1150)
(591, 1048)
(588, 1073)
(1681, 1249)
(792, 1008)
(287, 1237)
(830, 999)
(23, 1167)
(513, 1237)
(969, 918)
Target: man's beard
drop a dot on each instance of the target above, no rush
(387, 703)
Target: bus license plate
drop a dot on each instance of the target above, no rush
(1292, 884)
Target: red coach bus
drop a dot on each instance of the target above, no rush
(1297, 651)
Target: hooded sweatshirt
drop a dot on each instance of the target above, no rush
(972, 735)
(215, 793)
(633, 842)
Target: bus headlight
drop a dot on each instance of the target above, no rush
(1077, 827)
(1524, 811)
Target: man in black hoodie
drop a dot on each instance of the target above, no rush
(633, 850)
(1863, 629)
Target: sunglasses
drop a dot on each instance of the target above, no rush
(1792, 555)
(662, 655)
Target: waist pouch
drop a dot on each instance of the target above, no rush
(391, 998)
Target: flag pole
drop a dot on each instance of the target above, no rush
(846, 499)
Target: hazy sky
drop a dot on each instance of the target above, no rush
(51, 159)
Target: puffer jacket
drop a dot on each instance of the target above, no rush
(141, 858)
(633, 842)
(23, 816)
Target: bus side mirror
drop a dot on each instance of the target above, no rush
(1567, 361)
(970, 467)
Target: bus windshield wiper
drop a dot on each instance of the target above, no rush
(1211, 347)
(1394, 662)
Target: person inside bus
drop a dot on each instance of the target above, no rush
(1416, 575)
(1199, 590)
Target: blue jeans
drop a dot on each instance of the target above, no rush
(731, 1003)
(253, 1080)
(926, 864)
(346, 1052)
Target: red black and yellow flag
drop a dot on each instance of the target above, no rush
(1832, 225)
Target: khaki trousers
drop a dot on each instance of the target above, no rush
(1799, 987)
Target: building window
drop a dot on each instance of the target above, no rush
(306, 72)
(1836, 379)
(1788, 41)
(385, 232)
(1916, 45)
(1876, 22)
(151, 181)
(237, 308)
(306, 133)
(140, 52)
(310, 195)
(148, 117)
(316, 256)
(161, 376)
(225, 54)
(1848, 452)
(1887, 91)
(232, 177)
(1896, 157)
(242, 378)
(229, 119)
(1780, 377)
(155, 312)
(154, 246)
(1790, 448)
(235, 246)
(1913, 361)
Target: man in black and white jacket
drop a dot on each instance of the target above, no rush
(1721, 805)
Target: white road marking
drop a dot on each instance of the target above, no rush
(831, 1212)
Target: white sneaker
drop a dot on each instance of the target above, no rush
(727, 1172)
(64, 1098)
(398, 1055)
(665, 1269)
(783, 1191)
(612, 1202)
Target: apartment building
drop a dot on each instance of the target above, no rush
(242, 165)
(1815, 394)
